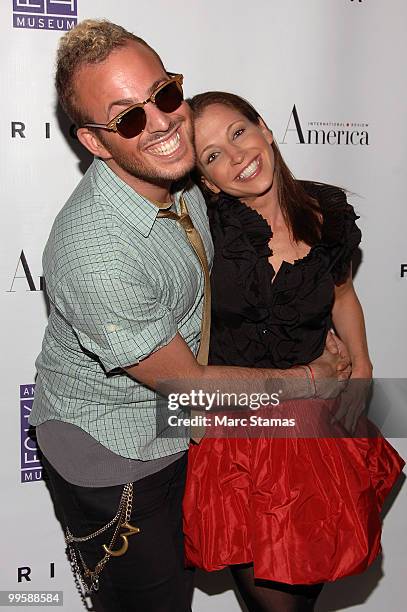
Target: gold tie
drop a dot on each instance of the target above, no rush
(196, 242)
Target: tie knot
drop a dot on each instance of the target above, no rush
(168, 214)
(186, 222)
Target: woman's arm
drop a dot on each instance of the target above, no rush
(349, 322)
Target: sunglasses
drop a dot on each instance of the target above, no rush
(131, 122)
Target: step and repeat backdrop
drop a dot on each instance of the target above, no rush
(328, 77)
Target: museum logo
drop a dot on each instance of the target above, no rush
(31, 468)
(45, 14)
(314, 132)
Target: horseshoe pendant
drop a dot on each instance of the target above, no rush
(123, 549)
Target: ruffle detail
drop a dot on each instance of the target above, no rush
(275, 317)
(340, 234)
(242, 235)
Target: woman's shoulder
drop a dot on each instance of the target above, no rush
(327, 196)
(338, 216)
(340, 234)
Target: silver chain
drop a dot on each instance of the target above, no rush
(127, 493)
(122, 515)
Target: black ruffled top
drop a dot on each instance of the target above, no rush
(260, 323)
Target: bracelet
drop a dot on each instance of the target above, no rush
(311, 379)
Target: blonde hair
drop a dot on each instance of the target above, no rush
(90, 42)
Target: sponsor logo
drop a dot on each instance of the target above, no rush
(20, 130)
(24, 572)
(23, 277)
(31, 469)
(45, 14)
(324, 132)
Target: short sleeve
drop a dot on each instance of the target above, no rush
(119, 322)
(349, 242)
(340, 235)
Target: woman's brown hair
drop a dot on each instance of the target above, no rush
(300, 210)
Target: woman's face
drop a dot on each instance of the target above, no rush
(233, 154)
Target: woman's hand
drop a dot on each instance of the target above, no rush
(354, 399)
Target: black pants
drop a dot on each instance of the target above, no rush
(150, 576)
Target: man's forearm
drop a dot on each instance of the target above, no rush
(174, 369)
(292, 383)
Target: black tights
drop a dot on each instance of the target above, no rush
(268, 596)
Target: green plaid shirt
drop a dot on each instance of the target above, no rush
(121, 284)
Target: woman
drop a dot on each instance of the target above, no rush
(285, 514)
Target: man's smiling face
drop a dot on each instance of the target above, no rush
(164, 151)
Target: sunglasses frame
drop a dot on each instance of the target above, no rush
(112, 126)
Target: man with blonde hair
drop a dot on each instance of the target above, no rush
(127, 290)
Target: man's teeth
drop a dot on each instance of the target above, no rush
(167, 147)
(249, 170)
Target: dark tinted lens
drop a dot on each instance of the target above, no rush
(169, 98)
(132, 123)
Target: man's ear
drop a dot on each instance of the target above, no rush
(211, 186)
(266, 131)
(91, 142)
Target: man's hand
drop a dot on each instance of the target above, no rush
(335, 346)
(331, 373)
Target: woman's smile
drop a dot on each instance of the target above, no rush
(252, 170)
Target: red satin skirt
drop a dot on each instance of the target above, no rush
(302, 511)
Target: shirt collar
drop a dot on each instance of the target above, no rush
(135, 208)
